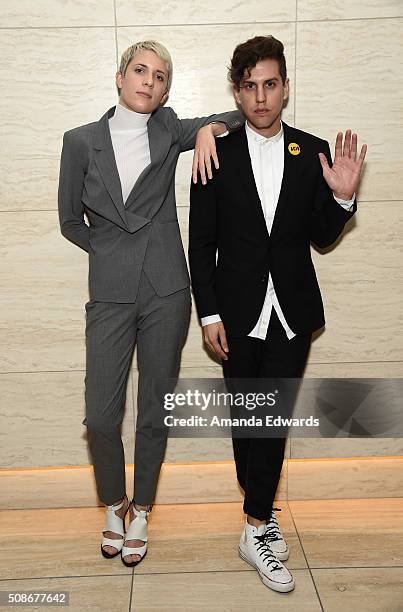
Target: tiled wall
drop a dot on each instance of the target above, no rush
(57, 65)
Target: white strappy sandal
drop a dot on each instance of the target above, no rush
(117, 525)
(137, 531)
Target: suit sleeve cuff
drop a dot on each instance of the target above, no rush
(210, 319)
(346, 204)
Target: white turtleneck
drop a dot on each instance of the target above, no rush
(129, 137)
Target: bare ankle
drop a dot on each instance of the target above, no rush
(254, 521)
(140, 507)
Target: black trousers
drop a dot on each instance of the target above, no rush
(259, 460)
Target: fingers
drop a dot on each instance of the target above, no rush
(347, 143)
(202, 163)
(215, 339)
(323, 161)
(205, 152)
(354, 147)
(207, 165)
(337, 148)
(362, 154)
(201, 168)
(195, 166)
(215, 158)
(223, 339)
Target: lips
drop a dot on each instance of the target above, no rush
(144, 94)
(261, 111)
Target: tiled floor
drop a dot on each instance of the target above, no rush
(345, 555)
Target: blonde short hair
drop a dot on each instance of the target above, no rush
(147, 45)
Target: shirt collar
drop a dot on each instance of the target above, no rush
(258, 138)
(126, 119)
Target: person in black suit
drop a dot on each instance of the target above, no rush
(254, 284)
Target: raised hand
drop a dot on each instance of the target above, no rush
(343, 177)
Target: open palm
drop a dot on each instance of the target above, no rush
(343, 177)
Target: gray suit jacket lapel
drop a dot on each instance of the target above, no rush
(106, 164)
(159, 139)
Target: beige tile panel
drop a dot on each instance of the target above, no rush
(69, 80)
(338, 87)
(344, 478)
(369, 249)
(42, 313)
(369, 330)
(41, 420)
(350, 533)
(29, 183)
(187, 13)
(348, 9)
(85, 593)
(364, 268)
(51, 13)
(217, 591)
(369, 589)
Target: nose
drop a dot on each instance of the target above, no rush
(148, 79)
(260, 94)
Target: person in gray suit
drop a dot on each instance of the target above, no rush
(119, 172)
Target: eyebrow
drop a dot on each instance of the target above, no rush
(249, 80)
(145, 66)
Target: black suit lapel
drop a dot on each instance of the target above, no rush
(245, 174)
(292, 167)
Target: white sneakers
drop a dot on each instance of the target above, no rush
(255, 547)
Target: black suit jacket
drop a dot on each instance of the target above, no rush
(227, 222)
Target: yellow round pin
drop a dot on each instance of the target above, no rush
(294, 148)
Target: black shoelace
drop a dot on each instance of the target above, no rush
(273, 530)
(265, 552)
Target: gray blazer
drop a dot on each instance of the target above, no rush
(144, 233)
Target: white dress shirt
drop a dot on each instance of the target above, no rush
(267, 158)
(129, 137)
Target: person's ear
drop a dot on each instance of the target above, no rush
(236, 91)
(164, 97)
(119, 79)
(286, 89)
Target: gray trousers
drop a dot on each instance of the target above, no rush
(158, 325)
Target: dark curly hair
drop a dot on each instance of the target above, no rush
(249, 53)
